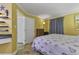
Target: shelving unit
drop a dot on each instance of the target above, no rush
(5, 35)
(4, 28)
(3, 16)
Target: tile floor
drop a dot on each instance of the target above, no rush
(26, 50)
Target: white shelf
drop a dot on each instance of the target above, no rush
(5, 40)
(3, 16)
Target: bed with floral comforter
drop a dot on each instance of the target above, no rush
(56, 44)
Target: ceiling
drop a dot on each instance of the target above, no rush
(51, 9)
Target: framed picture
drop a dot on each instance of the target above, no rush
(76, 20)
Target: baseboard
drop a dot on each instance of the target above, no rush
(5, 53)
(14, 53)
(28, 43)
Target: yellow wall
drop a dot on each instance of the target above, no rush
(6, 48)
(40, 25)
(14, 27)
(47, 25)
(38, 22)
(69, 25)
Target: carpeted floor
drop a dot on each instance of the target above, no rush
(26, 50)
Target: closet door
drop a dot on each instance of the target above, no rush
(52, 26)
(59, 26)
(21, 29)
(30, 29)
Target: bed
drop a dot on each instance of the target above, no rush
(56, 44)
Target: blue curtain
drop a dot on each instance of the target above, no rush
(52, 26)
(56, 26)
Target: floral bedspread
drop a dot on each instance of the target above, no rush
(56, 44)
